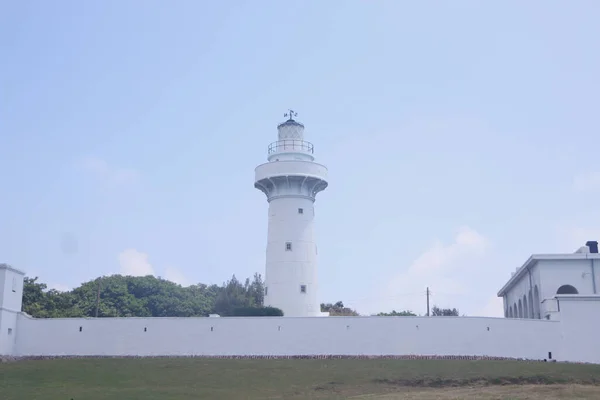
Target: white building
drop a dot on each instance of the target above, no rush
(11, 298)
(291, 180)
(534, 289)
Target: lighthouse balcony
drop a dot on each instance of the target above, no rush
(290, 168)
(290, 177)
(291, 145)
(291, 149)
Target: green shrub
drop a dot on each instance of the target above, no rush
(257, 312)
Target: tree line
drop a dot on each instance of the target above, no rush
(338, 309)
(149, 296)
(146, 296)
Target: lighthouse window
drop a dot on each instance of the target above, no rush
(288, 246)
(301, 211)
(302, 288)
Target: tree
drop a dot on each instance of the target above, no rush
(142, 296)
(256, 291)
(233, 295)
(338, 310)
(395, 313)
(33, 296)
(444, 312)
(257, 312)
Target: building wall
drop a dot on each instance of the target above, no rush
(8, 332)
(11, 295)
(291, 282)
(495, 337)
(577, 273)
(579, 324)
(11, 288)
(522, 289)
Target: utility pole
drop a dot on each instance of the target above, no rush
(428, 301)
(98, 296)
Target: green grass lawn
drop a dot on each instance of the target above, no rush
(197, 378)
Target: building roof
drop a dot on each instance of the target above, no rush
(8, 267)
(531, 261)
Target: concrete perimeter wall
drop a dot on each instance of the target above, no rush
(275, 336)
(580, 327)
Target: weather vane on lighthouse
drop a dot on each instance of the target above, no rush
(291, 114)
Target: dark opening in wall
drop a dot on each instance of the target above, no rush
(145, 329)
(211, 328)
(80, 328)
(549, 355)
(567, 289)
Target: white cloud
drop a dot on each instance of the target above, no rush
(59, 286)
(493, 308)
(175, 275)
(587, 182)
(135, 263)
(109, 174)
(447, 269)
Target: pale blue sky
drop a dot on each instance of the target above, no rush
(460, 138)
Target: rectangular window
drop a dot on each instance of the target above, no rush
(288, 246)
(302, 288)
(301, 211)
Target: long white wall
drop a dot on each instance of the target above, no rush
(470, 336)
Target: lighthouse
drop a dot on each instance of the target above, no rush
(291, 180)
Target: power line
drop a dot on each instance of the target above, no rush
(428, 301)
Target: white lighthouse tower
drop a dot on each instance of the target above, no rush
(291, 180)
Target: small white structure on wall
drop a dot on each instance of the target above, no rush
(534, 290)
(11, 297)
(291, 181)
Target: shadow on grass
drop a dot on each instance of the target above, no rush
(495, 381)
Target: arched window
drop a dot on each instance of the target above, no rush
(567, 289)
(536, 301)
(510, 312)
(520, 309)
(515, 311)
(525, 307)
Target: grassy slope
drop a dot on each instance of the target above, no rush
(192, 378)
